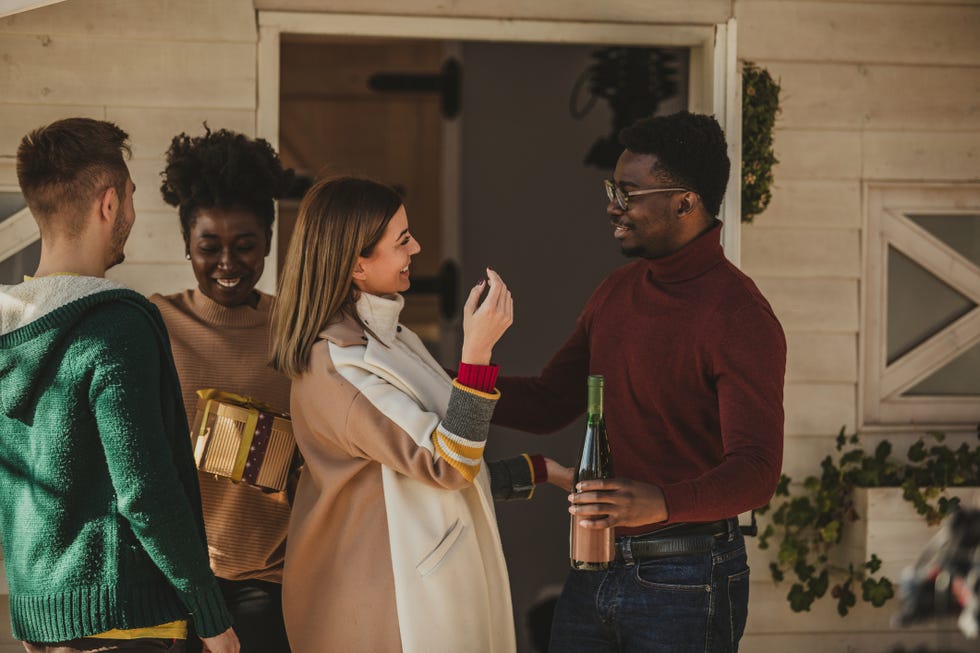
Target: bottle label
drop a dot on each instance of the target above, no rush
(590, 545)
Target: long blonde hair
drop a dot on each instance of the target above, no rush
(339, 220)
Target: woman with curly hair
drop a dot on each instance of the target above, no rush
(224, 185)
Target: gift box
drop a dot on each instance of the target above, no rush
(243, 440)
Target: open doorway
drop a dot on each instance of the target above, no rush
(513, 191)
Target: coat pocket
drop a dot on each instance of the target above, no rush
(434, 558)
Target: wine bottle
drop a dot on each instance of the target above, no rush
(593, 549)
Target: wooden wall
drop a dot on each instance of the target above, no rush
(154, 67)
(871, 91)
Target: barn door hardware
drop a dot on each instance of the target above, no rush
(446, 82)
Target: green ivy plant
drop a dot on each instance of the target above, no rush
(806, 521)
(760, 105)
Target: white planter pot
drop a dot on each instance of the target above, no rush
(889, 527)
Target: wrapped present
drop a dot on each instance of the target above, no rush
(242, 439)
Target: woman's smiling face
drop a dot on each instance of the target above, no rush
(227, 248)
(386, 270)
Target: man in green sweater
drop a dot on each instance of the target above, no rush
(100, 516)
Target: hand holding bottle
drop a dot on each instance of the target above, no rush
(484, 324)
(608, 502)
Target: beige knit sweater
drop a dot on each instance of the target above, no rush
(228, 349)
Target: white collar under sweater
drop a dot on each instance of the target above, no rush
(380, 315)
(26, 302)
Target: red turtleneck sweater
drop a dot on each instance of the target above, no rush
(694, 360)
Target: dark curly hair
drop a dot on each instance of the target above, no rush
(690, 149)
(226, 170)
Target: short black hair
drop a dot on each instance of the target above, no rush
(691, 151)
(62, 167)
(225, 170)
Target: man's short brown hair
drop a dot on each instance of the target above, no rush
(63, 167)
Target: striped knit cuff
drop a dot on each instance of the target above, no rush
(511, 478)
(461, 437)
(478, 377)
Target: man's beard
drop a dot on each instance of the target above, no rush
(636, 251)
(120, 232)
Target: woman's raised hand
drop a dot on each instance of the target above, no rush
(484, 324)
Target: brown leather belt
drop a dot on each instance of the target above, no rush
(676, 540)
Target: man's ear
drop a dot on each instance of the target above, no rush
(109, 204)
(268, 241)
(686, 204)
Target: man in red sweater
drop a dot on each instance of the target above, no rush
(694, 360)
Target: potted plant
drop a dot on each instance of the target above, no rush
(821, 528)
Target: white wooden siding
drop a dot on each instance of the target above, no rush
(156, 68)
(815, 357)
(18, 119)
(872, 91)
(863, 96)
(151, 129)
(820, 408)
(43, 70)
(817, 154)
(810, 204)
(813, 305)
(861, 32)
(922, 155)
(802, 253)
(157, 20)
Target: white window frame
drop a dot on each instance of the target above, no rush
(882, 385)
(17, 232)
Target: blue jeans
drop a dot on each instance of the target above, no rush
(683, 604)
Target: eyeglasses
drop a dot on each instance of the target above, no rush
(622, 198)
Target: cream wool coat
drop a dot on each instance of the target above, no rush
(390, 547)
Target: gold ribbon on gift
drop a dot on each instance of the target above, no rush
(212, 396)
(240, 400)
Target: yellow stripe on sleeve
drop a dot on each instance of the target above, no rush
(457, 447)
(495, 395)
(468, 467)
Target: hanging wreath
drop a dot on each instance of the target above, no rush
(760, 104)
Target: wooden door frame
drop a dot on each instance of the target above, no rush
(714, 85)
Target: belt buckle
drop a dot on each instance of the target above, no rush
(626, 550)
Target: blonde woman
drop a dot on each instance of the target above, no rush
(393, 542)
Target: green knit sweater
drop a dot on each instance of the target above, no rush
(100, 511)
